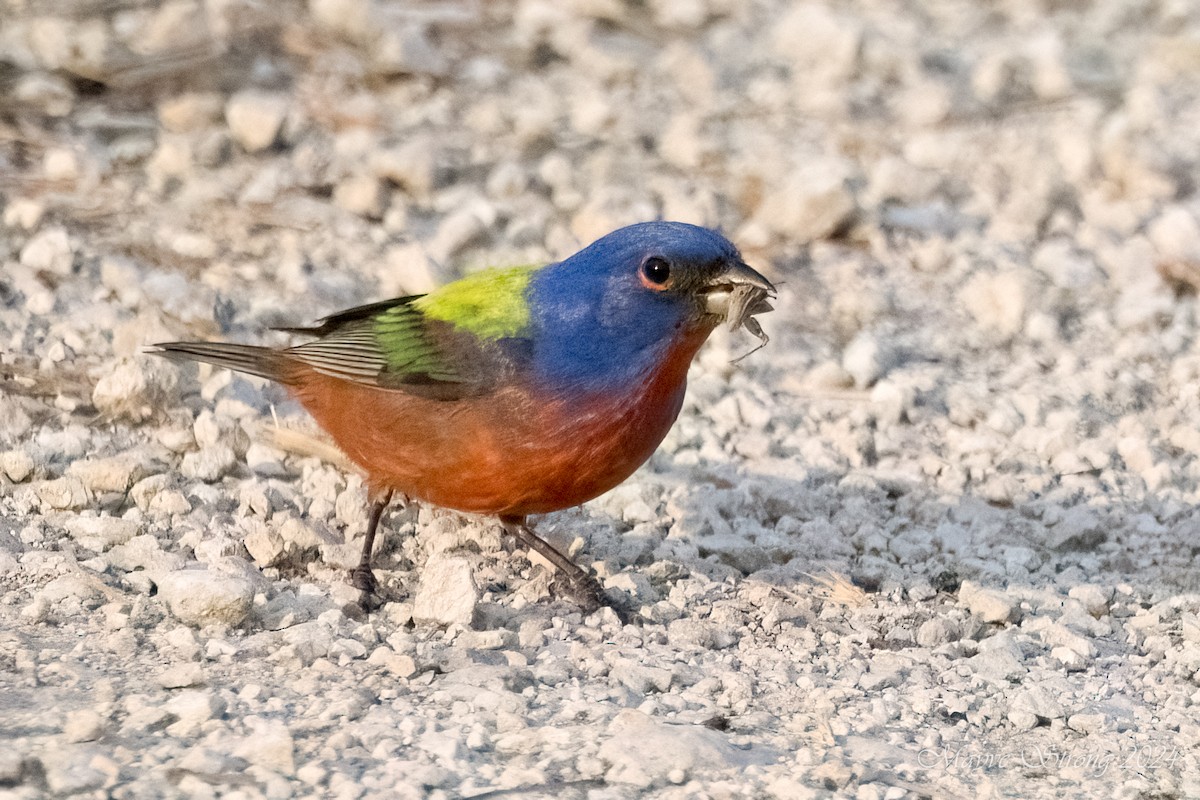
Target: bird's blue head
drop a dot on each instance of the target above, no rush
(611, 312)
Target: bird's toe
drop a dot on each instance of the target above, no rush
(363, 579)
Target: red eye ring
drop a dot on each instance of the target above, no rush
(655, 272)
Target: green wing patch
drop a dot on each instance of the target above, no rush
(443, 345)
(490, 304)
(407, 348)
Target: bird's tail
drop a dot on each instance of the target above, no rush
(261, 361)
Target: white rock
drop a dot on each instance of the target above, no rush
(398, 664)
(1136, 452)
(813, 202)
(24, 213)
(1070, 659)
(192, 708)
(51, 94)
(266, 460)
(680, 14)
(1059, 635)
(1051, 78)
(829, 375)
(202, 597)
(640, 678)
(269, 746)
(987, 604)
(635, 583)
(111, 474)
(62, 494)
(409, 270)
(255, 118)
(144, 716)
(789, 788)
(172, 158)
(1037, 701)
(997, 301)
(185, 642)
(70, 442)
(190, 111)
(72, 586)
(136, 389)
(1000, 664)
(1079, 529)
(180, 676)
(356, 20)
(1086, 723)
(884, 672)
(210, 463)
(867, 358)
(48, 250)
(819, 44)
(1175, 233)
(300, 535)
(101, 533)
(926, 103)
(72, 770)
(604, 210)
(60, 164)
(144, 553)
(460, 229)
(936, 632)
(1094, 598)
(265, 546)
(12, 764)
(643, 752)
(447, 593)
(507, 180)
(411, 166)
(993, 74)
(84, 725)
(1066, 265)
(892, 401)
(16, 464)
(155, 495)
(1144, 303)
(407, 50)
(173, 26)
(212, 429)
(360, 194)
(683, 144)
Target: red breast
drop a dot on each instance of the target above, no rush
(514, 451)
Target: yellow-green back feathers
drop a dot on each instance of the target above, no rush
(490, 304)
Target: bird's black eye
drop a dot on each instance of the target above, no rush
(656, 272)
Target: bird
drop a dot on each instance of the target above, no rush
(514, 391)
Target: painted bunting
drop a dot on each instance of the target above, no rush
(515, 391)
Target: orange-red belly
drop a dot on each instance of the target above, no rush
(510, 452)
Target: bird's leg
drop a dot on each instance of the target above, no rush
(579, 582)
(361, 577)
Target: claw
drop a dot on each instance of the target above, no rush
(579, 584)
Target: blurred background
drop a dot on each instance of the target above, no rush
(346, 148)
(955, 196)
(984, 372)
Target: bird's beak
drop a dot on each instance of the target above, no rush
(737, 293)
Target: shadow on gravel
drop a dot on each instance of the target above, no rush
(883, 532)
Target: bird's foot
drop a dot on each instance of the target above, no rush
(363, 579)
(577, 582)
(585, 590)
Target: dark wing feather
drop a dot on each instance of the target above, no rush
(330, 324)
(393, 345)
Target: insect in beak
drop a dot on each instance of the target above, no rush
(736, 295)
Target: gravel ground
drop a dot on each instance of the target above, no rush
(936, 540)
